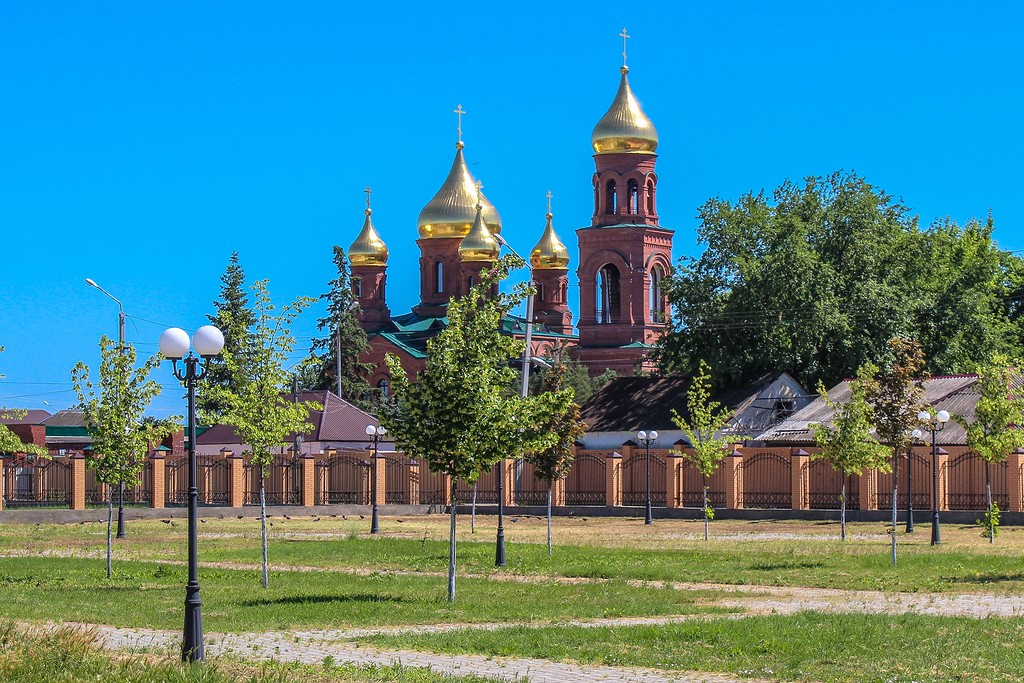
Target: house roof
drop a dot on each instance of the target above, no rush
(957, 394)
(31, 417)
(628, 404)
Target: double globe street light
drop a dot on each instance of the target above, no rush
(647, 439)
(174, 344)
(375, 432)
(934, 423)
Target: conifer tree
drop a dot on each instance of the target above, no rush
(342, 330)
(234, 318)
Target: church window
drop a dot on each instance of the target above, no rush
(469, 283)
(439, 277)
(632, 197)
(657, 302)
(650, 197)
(357, 287)
(607, 295)
(383, 388)
(539, 296)
(610, 199)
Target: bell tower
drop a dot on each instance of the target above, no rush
(624, 253)
(368, 259)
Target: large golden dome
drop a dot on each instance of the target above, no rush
(625, 127)
(368, 249)
(550, 253)
(479, 244)
(453, 209)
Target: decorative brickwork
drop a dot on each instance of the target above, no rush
(77, 498)
(159, 492)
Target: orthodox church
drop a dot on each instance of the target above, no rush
(623, 256)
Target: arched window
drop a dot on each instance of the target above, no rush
(606, 295)
(383, 388)
(469, 283)
(650, 196)
(610, 199)
(657, 301)
(439, 277)
(597, 199)
(563, 291)
(539, 296)
(357, 287)
(632, 197)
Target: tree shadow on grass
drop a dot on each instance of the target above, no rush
(786, 564)
(987, 578)
(323, 599)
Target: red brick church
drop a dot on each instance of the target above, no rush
(623, 256)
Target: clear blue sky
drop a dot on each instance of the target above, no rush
(140, 143)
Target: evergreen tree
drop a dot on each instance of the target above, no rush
(234, 318)
(341, 328)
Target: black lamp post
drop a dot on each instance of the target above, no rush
(174, 344)
(120, 347)
(376, 432)
(934, 423)
(646, 440)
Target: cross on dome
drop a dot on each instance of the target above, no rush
(459, 111)
(624, 37)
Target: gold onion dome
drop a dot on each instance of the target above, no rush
(452, 211)
(479, 244)
(550, 253)
(368, 249)
(625, 127)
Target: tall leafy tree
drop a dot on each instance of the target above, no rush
(895, 393)
(114, 411)
(342, 332)
(254, 403)
(816, 277)
(703, 429)
(458, 415)
(9, 441)
(557, 415)
(847, 444)
(234, 318)
(995, 429)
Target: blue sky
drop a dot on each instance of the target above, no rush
(141, 143)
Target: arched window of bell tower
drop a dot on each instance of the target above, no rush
(657, 298)
(610, 199)
(439, 277)
(649, 192)
(632, 197)
(607, 295)
(357, 287)
(539, 296)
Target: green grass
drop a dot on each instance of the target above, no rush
(151, 595)
(804, 647)
(73, 655)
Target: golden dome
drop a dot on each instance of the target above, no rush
(368, 249)
(550, 253)
(625, 127)
(453, 209)
(479, 245)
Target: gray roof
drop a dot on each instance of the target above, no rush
(31, 417)
(957, 394)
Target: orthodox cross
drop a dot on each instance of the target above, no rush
(460, 111)
(368, 192)
(549, 195)
(624, 36)
(479, 194)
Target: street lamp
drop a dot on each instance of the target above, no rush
(914, 436)
(646, 440)
(934, 424)
(120, 347)
(376, 432)
(174, 344)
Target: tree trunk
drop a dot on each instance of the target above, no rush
(263, 526)
(549, 519)
(110, 525)
(707, 521)
(472, 513)
(988, 499)
(451, 544)
(842, 507)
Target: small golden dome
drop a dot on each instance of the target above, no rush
(625, 127)
(550, 253)
(453, 209)
(479, 245)
(368, 249)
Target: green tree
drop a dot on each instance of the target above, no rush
(817, 277)
(458, 415)
(342, 332)
(234, 318)
(254, 403)
(114, 413)
(555, 414)
(703, 429)
(11, 442)
(994, 432)
(847, 444)
(895, 393)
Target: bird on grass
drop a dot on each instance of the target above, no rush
(166, 521)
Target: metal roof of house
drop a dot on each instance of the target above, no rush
(31, 417)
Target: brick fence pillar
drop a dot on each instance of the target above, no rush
(378, 471)
(868, 497)
(613, 482)
(558, 492)
(675, 468)
(236, 478)
(77, 498)
(3, 491)
(800, 471)
(942, 464)
(414, 482)
(1015, 480)
(732, 465)
(508, 492)
(158, 491)
(307, 487)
